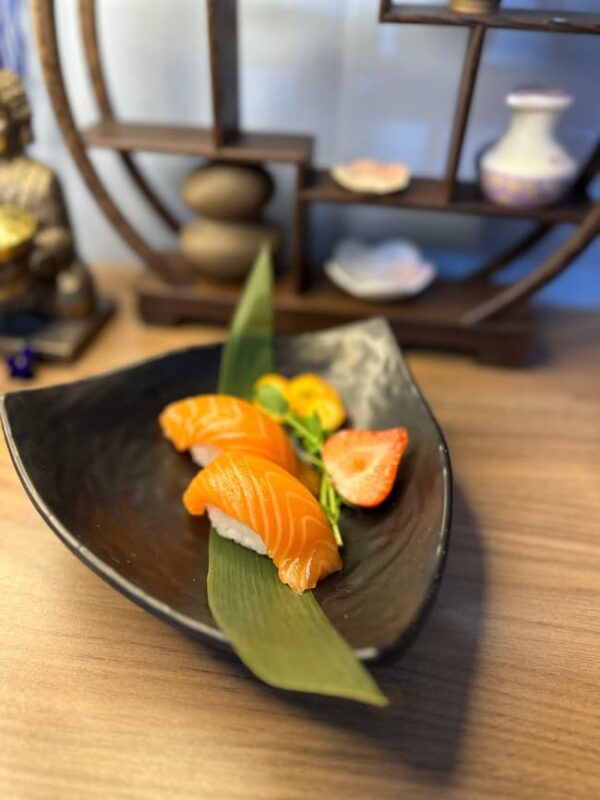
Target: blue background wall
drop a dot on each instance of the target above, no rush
(325, 67)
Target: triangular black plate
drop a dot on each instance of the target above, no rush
(97, 468)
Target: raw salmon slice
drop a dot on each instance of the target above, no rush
(260, 505)
(210, 424)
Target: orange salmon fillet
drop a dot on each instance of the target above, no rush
(277, 507)
(228, 423)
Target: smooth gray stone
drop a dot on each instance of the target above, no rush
(225, 250)
(228, 191)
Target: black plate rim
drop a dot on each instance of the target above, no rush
(182, 621)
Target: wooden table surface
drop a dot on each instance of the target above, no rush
(498, 698)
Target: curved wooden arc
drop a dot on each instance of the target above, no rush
(555, 264)
(497, 262)
(89, 32)
(44, 20)
(589, 170)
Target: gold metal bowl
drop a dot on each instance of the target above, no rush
(17, 229)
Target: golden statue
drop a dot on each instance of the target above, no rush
(39, 270)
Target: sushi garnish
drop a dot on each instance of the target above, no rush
(310, 394)
(306, 395)
(261, 506)
(356, 467)
(362, 465)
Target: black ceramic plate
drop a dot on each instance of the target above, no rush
(97, 468)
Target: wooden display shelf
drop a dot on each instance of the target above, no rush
(472, 314)
(430, 193)
(511, 19)
(109, 134)
(433, 319)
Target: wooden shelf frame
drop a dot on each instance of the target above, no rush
(430, 194)
(506, 19)
(425, 321)
(125, 137)
(318, 186)
(89, 35)
(485, 310)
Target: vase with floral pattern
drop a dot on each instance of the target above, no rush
(528, 167)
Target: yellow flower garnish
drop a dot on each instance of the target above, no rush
(309, 394)
(329, 410)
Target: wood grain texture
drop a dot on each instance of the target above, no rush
(498, 697)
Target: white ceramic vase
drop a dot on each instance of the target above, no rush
(527, 167)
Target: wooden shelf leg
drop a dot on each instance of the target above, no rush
(44, 20)
(223, 47)
(504, 351)
(89, 32)
(298, 271)
(545, 272)
(496, 263)
(384, 7)
(463, 105)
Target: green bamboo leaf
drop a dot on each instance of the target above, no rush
(248, 353)
(284, 638)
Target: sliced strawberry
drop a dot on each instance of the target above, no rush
(362, 465)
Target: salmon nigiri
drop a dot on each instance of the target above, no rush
(261, 506)
(209, 424)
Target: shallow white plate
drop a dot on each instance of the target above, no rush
(387, 271)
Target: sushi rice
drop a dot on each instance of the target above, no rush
(231, 528)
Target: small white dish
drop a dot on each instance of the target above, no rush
(386, 271)
(367, 176)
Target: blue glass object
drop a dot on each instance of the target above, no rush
(21, 364)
